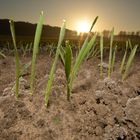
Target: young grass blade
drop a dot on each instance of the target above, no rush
(124, 58)
(62, 34)
(22, 70)
(95, 51)
(101, 53)
(68, 59)
(30, 47)
(62, 52)
(90, 54)
(85, 49)
(12, 28)
(129, 62)
(51, 75)
(130, 45)
(25, 48)
(35, 50)
(110, 53)
(2, 54)
(114, 57)
(95, 20)
(82, 54)
(89, 46)
(81, 51)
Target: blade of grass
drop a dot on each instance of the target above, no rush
(110, 53)
(68, 62)
(90, 54)
(101, 53)
(35, 50)
(130, 45)
(114, 57)
(51, 75)
(22, 70)
(25, 50)
(61, 52)
(129, 62)
(12, 28)
(124, 58)
(83, 52)
(95, 20)
(30, 47)
(86, 40)
(2, 54)
(95, 52)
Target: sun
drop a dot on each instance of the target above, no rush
(82, 26)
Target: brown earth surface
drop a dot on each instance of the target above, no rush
(100, 109)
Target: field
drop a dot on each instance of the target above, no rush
(99, 109)
(84, 89)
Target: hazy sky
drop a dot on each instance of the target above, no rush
(121, 14)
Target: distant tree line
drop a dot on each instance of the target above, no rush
(122, 33)
(28, 29)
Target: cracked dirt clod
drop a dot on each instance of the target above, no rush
(132, 110)
(84, 81)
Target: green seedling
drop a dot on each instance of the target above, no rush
(12, 28)
(71, 74)
(92, 52)
(124, 58)
(2, 54)
(68, 63)
(130, 45)
(8, 45)
(51, 75)
(30, 47)
(23, 69)
(84, 50)
(129, 62)
(35, 50)
(62, 52)
(101, 53)
(24, 49)
(114, 57)
(96, 50)
(110, 53)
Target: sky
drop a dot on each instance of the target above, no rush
(120, 14)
